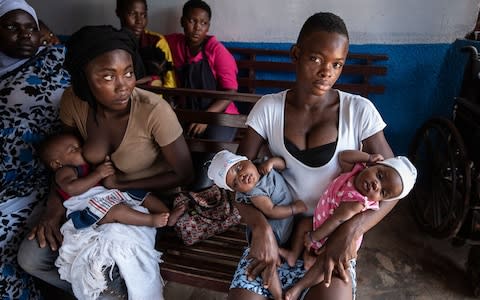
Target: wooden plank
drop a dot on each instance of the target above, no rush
(242, 97)
(210, 146)
(286, 53)
(274, 66)
(213, 118)
(356, 88)
(209, 263)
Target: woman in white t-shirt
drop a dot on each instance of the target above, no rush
(308, 126)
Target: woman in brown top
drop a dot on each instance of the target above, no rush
(135, 129)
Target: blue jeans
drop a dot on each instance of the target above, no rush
(40, 262)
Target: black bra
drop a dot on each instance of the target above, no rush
(313, 157)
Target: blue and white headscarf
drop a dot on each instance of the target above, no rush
(9, 63)
(7, 6)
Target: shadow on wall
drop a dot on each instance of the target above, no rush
(422, 81)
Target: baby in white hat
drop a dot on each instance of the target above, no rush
(366, 180)
(263, 187)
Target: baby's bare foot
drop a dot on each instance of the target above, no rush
(288, 256)
(299, 206)
(293, 293)
(160, 220)
(176, 212)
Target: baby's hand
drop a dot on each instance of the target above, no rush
(265, 167)
(299, 206)
(111, 182)
(307, 240)
(105, 169)
(373, 158)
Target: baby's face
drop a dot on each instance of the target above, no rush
(379, 182)
(242, 176)
(69, 152)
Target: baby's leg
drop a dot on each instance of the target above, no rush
(124, 214)
(313, 277)
(291, 256)
(275, 287)
(308, 259)
(155, 206)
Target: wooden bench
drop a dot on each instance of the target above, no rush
(210, 264)
(272, 70)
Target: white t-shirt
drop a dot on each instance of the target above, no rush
(358, 120)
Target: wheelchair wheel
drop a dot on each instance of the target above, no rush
(441, 194)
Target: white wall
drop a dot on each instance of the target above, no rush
(369, 21)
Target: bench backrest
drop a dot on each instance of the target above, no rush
(262, 71)
(211, 118)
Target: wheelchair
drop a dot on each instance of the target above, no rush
(446, 198)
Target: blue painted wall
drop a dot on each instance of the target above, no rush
(422, 81)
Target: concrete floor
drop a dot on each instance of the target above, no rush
(396, 262)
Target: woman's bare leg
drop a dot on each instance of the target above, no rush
(338, 289)
(242, 294)
(313, 277)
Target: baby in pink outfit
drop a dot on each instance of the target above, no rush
(366, 179)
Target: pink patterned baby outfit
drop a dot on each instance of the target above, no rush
(340, 190)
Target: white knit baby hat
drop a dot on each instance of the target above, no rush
(406, 170)
(221, 163)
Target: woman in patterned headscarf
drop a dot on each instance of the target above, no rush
(32, 81)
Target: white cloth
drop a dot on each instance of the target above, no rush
(358, 120)
(85, 253)
(80, 202)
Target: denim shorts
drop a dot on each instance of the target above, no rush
(288, 277)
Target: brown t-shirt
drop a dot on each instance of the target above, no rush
(152, 124)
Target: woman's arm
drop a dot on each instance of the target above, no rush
(177, 156)
(341, 244)
(216, 106)
(47, 231)
(349, 158)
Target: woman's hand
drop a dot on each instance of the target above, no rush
(264, 255)
(47, 231)
(196, 129)
(374, 158)
(338, 250)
